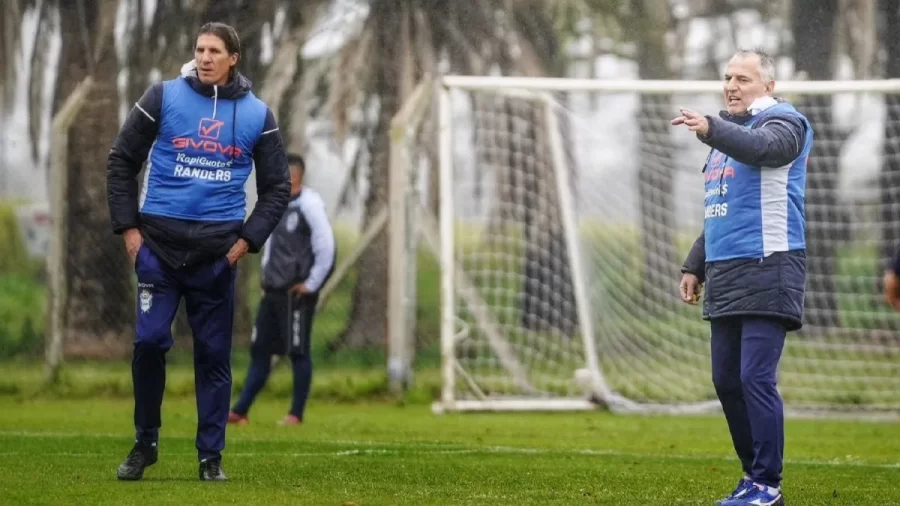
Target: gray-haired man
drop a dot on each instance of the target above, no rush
(752, 257)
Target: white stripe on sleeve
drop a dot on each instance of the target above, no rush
(322, 238)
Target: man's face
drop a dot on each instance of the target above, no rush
(213, 60)
(743, 84)
(296, 178)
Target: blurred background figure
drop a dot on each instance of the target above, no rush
(297, 260)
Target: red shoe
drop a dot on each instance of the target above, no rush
(237, 419)
(290, 420)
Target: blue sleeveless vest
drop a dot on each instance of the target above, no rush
(202, 156)
(752, 212)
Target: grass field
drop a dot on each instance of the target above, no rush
(63, 448)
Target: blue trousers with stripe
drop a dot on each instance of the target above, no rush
(745, 355)
(208, 291)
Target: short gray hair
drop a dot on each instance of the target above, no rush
(766, 62)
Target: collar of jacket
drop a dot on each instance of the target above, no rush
(236, 88)
(759, 105)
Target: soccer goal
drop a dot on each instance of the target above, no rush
(567, 207)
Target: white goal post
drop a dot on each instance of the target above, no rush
(566, 209)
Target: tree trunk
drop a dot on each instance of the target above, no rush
(368, 316)
(548, 296)
(101, 301)
(10, 29)
(26, 63)
(512, 144)
(527, 194)
(655, 178)
(813, 27)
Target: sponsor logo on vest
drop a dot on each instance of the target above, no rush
(201, 161)
(724, 173)
(212, 147)
(207, 174)
(719, 190)
(208, 132)
(210, 128)
(716, 210)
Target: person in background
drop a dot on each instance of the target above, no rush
(297, 260)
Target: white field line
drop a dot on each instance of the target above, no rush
(437, 448)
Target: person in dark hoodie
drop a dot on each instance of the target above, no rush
(201, 133)
(752, 258)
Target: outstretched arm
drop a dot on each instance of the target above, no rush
(273, 186)
(775, 143)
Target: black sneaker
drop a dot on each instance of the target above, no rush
(139, 458)
(211, 470)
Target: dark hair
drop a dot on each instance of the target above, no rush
(225, 32)
(295, 160)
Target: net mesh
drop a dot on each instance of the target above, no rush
(636, 188)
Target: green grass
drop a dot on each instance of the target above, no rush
(335, 380)
(58, 451)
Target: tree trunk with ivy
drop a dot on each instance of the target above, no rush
(368, 316)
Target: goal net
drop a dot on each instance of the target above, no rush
(567, 208)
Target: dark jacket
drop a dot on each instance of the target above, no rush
(180, 242)
(771, 286)
(302, 247)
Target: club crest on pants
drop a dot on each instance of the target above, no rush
(146, 300)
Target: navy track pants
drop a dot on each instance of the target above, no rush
(745, 355)
(208, 291)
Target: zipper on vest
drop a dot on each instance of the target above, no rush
(215, 99)
(722, 174)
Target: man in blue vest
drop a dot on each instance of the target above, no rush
(203, 132)
(751, 260)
